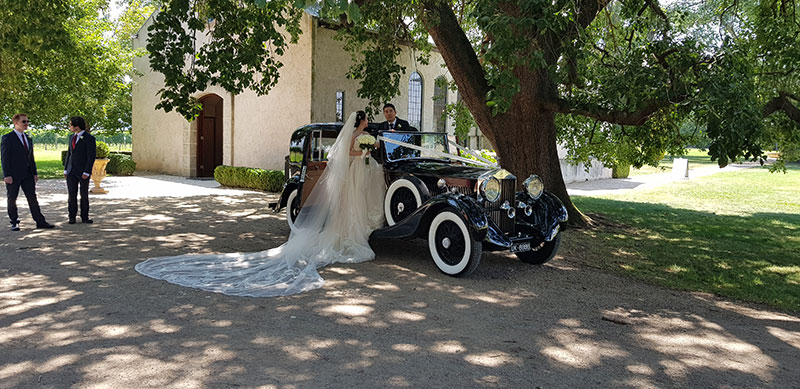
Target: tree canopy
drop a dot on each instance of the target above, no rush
(61, 58)
(616, 80)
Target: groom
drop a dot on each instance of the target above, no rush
(78, 168)
(393, 123)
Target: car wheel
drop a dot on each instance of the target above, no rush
(403, 197)
(455, 252)
(292, 208)
(544, 254)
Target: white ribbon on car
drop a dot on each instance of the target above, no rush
(472, 153)
(482, 163)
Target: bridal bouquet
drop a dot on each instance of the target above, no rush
(367, 143)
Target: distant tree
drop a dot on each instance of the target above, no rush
(60, 58)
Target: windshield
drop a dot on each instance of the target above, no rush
(429, 142)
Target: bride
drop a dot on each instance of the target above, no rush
(333, 226)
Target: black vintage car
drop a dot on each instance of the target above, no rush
(461, 206)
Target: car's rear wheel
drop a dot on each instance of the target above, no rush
(292, 208)
(403, 197)
(544, 254)
(452, 246)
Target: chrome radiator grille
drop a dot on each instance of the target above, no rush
(464, 190)
(500, 216)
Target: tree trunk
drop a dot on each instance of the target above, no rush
(524, 136)
(525, 142)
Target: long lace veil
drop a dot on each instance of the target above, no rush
(290, 268)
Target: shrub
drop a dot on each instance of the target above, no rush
(620, 171)
(102, 150)
(244, 177)
(120, 164)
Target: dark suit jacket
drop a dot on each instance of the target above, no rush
(399, 125)
(17, 162)
(81, 159)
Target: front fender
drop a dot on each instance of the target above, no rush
(291, 184)
(415, 225)
(548, 212)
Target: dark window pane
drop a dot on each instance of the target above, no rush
(415, 100)
(439, 104)
(339, 106)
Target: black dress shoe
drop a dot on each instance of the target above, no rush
(71, 221)
(87, 221)
(14, 226)
(44, 225)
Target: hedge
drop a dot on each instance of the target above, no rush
(120, 164)
(245, 177)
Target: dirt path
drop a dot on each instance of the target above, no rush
(74, 313)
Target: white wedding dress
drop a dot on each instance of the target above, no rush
(333, 226)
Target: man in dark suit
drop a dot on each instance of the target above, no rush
(19, 171)
(81, 153)
(393, 123)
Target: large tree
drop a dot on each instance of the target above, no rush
(614, 79)
(60, 58)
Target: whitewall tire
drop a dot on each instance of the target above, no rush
(453, 249)
(292, 209)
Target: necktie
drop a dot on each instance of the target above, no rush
(25, 142)
(73, 141)
(391, 126)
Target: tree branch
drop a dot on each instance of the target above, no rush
(658, 11)
(782, 103)
(587, 11)
(459, 56)
(635, 118)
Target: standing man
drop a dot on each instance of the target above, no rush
(19, 171)
(78, 168)
(394, 123)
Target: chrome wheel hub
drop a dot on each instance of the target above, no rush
(446, 243)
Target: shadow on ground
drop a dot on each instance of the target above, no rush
(74, 312)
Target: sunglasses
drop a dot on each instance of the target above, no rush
(24, 121)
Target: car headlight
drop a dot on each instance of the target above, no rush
(491, 189)
(534, 186)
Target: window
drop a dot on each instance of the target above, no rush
(339, 106)
(415, 100)
(439, 104)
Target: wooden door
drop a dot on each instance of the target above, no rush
(209, 136)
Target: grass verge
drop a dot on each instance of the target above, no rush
(735, 234)
(696, 157)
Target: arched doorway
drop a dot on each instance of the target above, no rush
(209, 136)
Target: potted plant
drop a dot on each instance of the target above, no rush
(99, 168)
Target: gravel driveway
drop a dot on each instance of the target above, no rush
(74, 313)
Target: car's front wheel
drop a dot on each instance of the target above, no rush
(453, 248)
(292, 208)
(544, 254)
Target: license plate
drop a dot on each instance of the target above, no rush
(521, 247)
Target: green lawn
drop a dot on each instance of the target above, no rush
(48, 159)
(48, 163)
(736, 234)
(696, 157)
